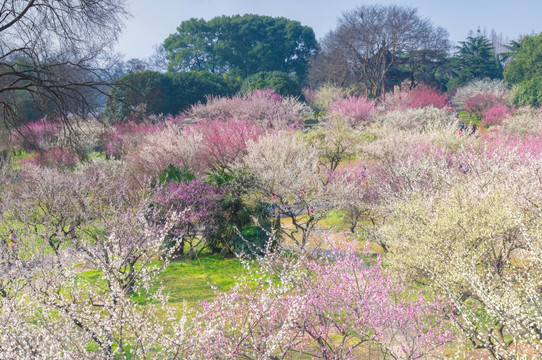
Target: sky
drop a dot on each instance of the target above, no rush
(152, 21)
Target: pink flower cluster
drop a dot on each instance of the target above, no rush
(496, 114)
(125, 136)
(353, 110)
(36, 135)
(330, 303)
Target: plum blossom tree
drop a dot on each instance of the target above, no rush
(195, 203)
(352, 110)
(352, 189)
(335, 142)
(325, 307)
(263, 107)
(224, 142)
(94, 218)
(474, 240)
(287, 175)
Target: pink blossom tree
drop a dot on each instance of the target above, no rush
(352, 189)
(36, 135)
(265, 108)
(496, 114)
(352, 110)
(224, 142)
(477, 105)
(330, 306)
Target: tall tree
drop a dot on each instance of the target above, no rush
(241, 45)
(475, 59)
(526, 59)
(369, 40)
(49, 51)
(525, 69)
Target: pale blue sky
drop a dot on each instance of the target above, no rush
(153, 20)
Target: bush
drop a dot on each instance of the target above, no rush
(280, 82)
(243, 226)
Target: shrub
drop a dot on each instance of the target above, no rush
(280, 82)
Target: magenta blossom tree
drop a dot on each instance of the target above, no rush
(423, 95)
(191, 208)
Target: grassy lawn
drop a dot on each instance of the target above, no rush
(191, 280)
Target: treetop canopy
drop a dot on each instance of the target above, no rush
(241, 45)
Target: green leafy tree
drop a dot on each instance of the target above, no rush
(475, 60)
(280, 82)
(525, 70)
(241, 45)
(168, 93)
(244, 227)
(151, 88)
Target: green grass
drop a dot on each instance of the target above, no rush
(190, 281)
(466, 118)
(336, 220)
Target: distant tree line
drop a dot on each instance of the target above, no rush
(372, 50)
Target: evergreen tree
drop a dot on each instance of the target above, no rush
(475, 60)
